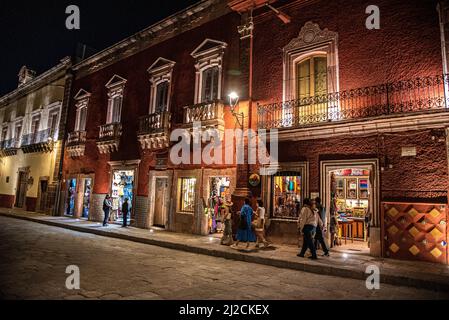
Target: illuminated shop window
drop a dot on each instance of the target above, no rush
(287, 196)
(187, 194)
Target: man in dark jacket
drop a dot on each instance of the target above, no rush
(125, 212)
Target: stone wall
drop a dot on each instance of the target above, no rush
(96, 207)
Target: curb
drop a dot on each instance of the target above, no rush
(351, 273)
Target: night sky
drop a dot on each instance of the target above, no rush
(33, 33)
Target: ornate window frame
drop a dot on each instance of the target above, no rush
(160, 71)
(207, 55)
(82, 101)
(116, 88)
(311, 41)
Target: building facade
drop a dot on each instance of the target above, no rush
(32, 122)
(361, 116)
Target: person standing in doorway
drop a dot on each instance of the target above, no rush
(245, 232)
(307, 224)
(107, 206)
(321, 226)
(125, 212)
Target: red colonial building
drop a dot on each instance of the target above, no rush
(361, 116)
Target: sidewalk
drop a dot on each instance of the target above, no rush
(347, 265)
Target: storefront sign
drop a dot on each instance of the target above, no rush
(254, 180)
(408, 152)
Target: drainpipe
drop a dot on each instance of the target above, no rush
(65, 106)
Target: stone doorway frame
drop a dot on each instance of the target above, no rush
(154, 175)
(327, 166)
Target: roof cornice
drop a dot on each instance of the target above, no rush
(41, 80)
(169, 27)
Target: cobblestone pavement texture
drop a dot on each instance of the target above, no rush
(34, 257)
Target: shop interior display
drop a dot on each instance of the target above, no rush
(122, 188)
(287, 197)
(219, 194)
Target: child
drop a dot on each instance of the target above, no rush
(334, 230)
(260, 225)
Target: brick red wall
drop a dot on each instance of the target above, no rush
(407, 45)
(6, 201)
(426, 174)
(137, 96)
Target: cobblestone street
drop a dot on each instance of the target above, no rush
(34, 257)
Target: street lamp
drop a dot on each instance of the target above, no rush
(233, 102)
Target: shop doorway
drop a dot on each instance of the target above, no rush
(22, 186)
(287, 195)
(160, 203)
(350, 195)
(71, 198)
(87, 193)
(219, 193)
(122, 188)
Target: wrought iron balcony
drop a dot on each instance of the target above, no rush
(9, 147)
(404, 97)
(209, 114)
(109, 138)
(76, 143)
(154, 131)
(41, 141)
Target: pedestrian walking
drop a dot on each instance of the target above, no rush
(107, 206)
(260, 225)
(307, 224)
(227, 240)
(245, 232)
(321, 226)
(125, 212)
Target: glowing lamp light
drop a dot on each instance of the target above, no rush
(345, 256)
(233, 99)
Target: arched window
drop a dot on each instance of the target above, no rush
(311, 77)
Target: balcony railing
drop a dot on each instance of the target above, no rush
(154, 123)
(204, 112)
(411, 96)
(10, 144)
(111, 131)
(76, 138)
(43, 136)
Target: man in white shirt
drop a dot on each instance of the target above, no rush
(307, 224)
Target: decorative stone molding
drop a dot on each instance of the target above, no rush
(246, 30)
(207, 55)
(116, 86)
(311, 40)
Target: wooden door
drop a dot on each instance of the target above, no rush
(160, 207)
(21, 189)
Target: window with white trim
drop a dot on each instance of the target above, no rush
(4, 133)
(160, 78)
(310, 74)
(53, 121)
(311, 63)
(209, 70)
(82, 102)
(116, 87)
(18, 126)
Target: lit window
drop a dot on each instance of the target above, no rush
(311, 76)
(187, 194)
